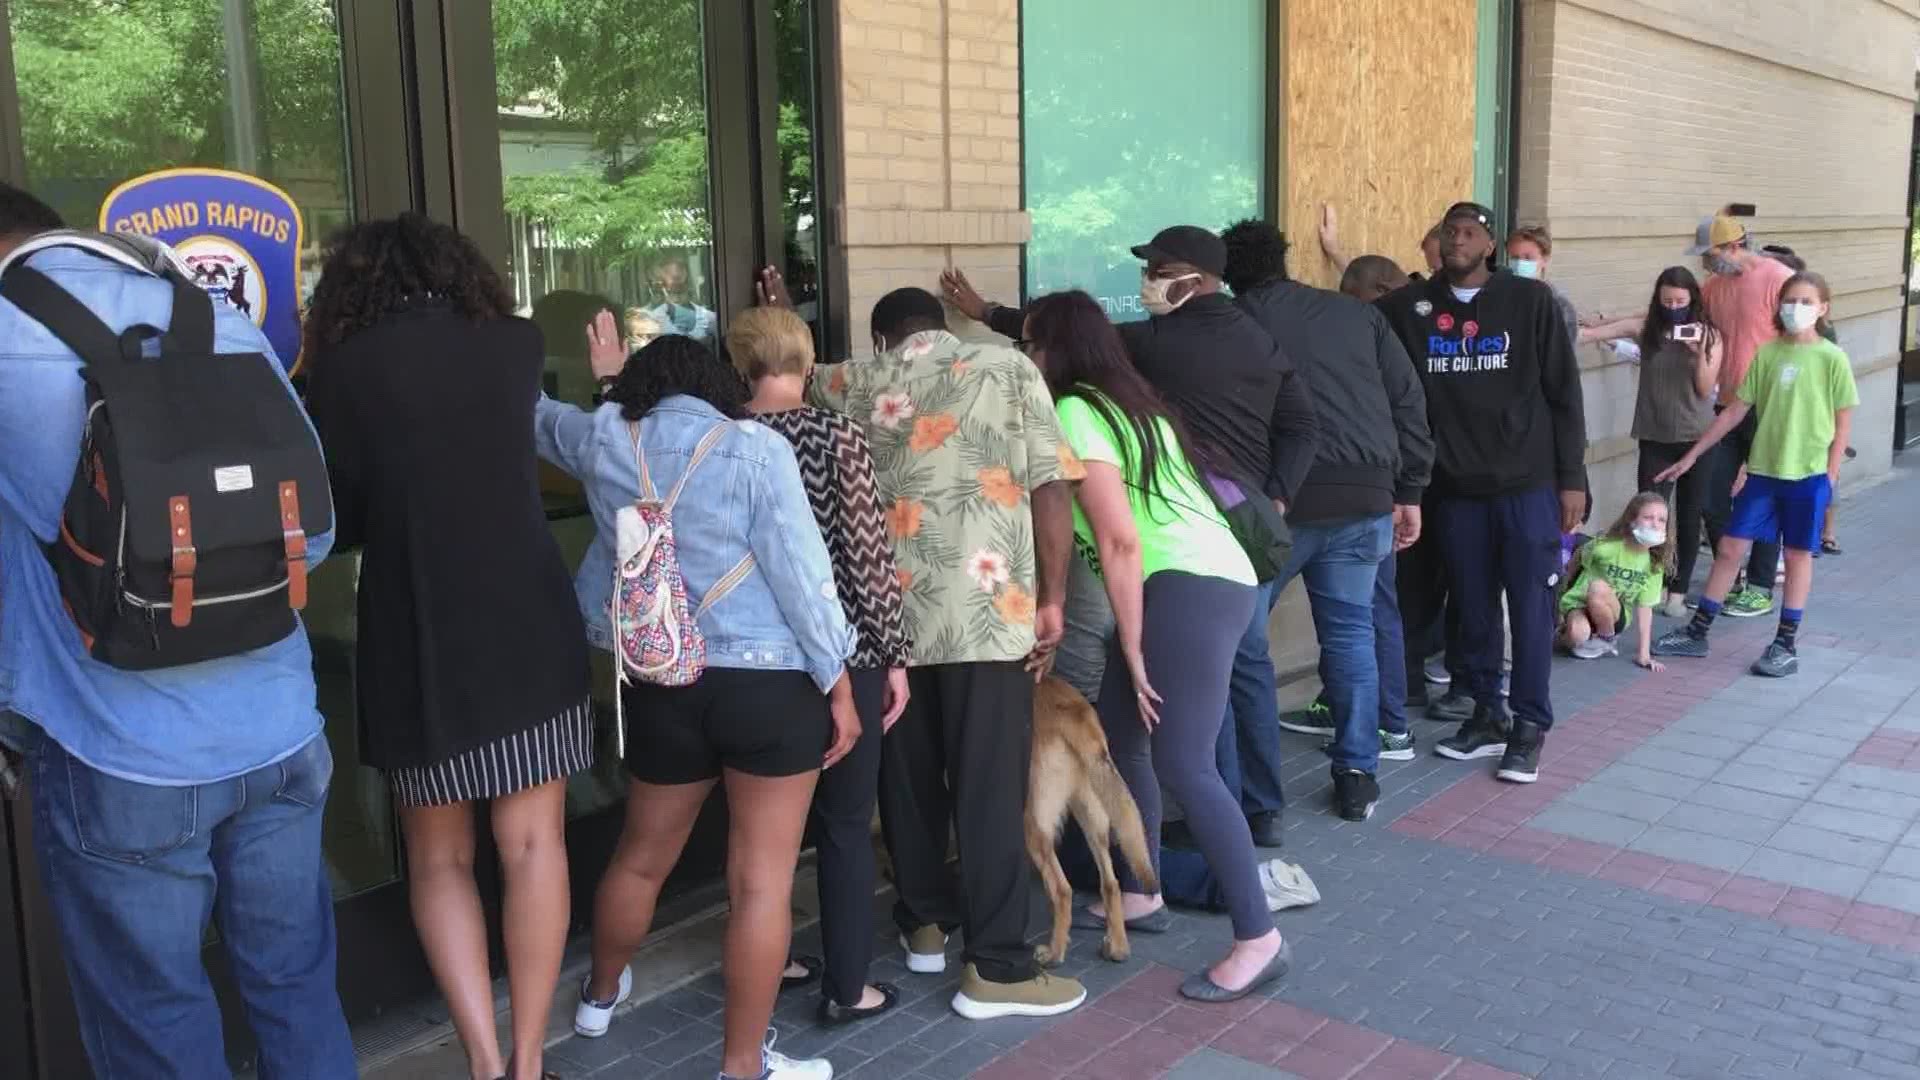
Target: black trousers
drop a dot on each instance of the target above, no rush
(1507, 543)
(841, 829)
(959, 757)
(1686, 504)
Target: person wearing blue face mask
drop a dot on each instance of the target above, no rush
(1680, 364)
(1529, 252)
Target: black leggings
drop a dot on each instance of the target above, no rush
(1686, 504)
(1193, 627)
(841, 826)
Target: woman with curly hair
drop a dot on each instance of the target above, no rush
(774, 705)
(472, 676)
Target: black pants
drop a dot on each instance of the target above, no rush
(1686, 505)
(1511, 543)
(1725, 462)
(959, 757)
(841, 828)
(1429, 611)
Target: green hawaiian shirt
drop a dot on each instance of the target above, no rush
(961, 432)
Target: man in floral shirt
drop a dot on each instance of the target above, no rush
(976, 485)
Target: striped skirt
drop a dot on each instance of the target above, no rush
(551, 750)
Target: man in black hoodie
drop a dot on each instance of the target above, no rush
(1503, 399)
(1359, 503)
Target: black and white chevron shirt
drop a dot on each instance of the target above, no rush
(838, 470)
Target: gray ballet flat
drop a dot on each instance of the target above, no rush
(1157, 921)
(1202, 988)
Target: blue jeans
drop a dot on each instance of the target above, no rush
(1340, 562)
(1389, 646)
(136, 872)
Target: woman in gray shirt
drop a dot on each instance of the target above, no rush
(1679, 364)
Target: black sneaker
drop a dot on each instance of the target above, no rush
(1521, 762)
(1680, 643)
(1484, 734)
(1354, 794)
(1454, 707)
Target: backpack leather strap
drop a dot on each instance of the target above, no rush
(296, 541)
(185, 559)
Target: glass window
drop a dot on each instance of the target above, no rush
(1119, 147)
(109, 91)
(602, 115)
(794, 51)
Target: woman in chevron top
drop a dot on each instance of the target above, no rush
(772, 347)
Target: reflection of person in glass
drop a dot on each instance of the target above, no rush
(641, 328)
(678, 312)
(423, 388)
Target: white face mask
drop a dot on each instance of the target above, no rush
(1153, 293)
(1799, 315)
(1526, 268)
(1649, 536)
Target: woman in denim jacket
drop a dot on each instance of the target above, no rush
(775, 704)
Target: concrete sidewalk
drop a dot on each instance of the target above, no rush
(1717, 876)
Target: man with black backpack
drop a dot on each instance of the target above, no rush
(161, 502)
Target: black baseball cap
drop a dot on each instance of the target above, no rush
(1470, 210)
(1189, 244)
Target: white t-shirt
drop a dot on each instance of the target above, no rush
(1465, 296)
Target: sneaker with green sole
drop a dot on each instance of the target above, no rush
(1748, 603)
(1315, 719)
(1396, 746)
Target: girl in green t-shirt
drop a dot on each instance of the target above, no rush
(1622, 574)
(1182, 594)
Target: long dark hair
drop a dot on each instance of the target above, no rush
(1653, 333)
(375, 268)
(1082, 356)
(677, 364)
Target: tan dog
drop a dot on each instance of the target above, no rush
(1072, 772)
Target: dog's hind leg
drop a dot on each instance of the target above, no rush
(1046, 807)
(1098, 830)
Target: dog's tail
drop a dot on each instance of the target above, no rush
(1124, 815)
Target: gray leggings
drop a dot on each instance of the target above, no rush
(1192, 628)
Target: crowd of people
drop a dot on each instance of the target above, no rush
(877, 558)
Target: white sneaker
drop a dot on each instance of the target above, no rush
(926, 951)
(1676, 606)
(782, 1067)
(590, 1017)
(1287, 885)
(1595, 647)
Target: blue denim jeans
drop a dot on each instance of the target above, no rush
(1389, 646)
(1340, 563)
(136, 872)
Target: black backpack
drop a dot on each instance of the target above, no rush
(184, 536)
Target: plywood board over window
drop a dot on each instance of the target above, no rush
(1379, 105)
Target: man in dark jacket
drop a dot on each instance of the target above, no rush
(1503, 399)
(1360, 501)
(1250, 413)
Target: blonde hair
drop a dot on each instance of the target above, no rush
(1537, 235)
(641, 327)
(766, 341)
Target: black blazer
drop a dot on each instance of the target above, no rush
(468, 627)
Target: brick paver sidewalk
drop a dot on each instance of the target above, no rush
(1717, 876)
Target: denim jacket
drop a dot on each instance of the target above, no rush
(746, 497)
(180, 726)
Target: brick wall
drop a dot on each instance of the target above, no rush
(931, 96)
(1638, 118)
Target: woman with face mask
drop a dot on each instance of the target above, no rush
(1680, 355)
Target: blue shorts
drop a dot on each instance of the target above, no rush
(1789, 511)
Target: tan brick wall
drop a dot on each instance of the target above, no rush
(1640, 116)
(930, 93)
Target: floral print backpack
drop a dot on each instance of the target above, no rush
(656, 633)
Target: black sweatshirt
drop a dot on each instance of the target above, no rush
(1374, 450)
(1502, 382)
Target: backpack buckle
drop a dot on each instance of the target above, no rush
(185, 560)
(296, 542)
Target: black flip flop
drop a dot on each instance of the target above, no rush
(1830, 546)
(813, 965)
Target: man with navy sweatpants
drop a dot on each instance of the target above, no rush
(1503, 401)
